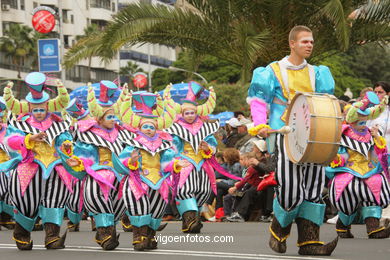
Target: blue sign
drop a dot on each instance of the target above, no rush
(49, 55)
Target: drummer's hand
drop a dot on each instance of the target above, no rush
(374, 131)
(253, 161)
(263, 132)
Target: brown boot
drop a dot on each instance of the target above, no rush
(52, 238)
(6, 221)
(374, 230)
(279, 235)
(126, 225)
(22, 238)
(93, 225)
(140, 238)
(343, 231)
(162, 226)
(308, 239)
(107, 238)
(73, 227)
(152, 243)
(191, 222)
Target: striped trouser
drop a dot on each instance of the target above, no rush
(357, 193)
(95, 203)
(152, 203)
(196, 186)
(50, 193)
(74, 198)
(297, 183)
(4, 188)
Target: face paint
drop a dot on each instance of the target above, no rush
(306, 41)
(362, 123)
(148, 126)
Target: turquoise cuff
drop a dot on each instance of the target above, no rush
(74, 217)
(52, 215)
(187, 205)
(9, 209)
(104, 219)
(371, 212)
(139, 221)
(347, 219)
(155, 223)
(284, 217)
(1, 206)
(27, 223)
(313, 212)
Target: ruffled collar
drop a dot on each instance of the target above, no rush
(194, 127)
(44, 124)
(364, 136)
(288, 65)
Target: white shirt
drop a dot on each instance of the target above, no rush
(384, 125)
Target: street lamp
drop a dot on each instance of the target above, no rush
(193, 72)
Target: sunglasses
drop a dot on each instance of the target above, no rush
(38, 110)
(147, 126)
(110, 117)
(189, 113)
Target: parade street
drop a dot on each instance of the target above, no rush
(250, 241)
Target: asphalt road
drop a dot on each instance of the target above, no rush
(218, 240)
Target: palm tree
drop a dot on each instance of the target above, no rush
(130, 69)
(18, 44)
(248, 33)
(87, 44)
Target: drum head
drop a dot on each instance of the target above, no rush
(298, 119)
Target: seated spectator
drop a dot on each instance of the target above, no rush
(258, 170)
(232, 159)
(233, 133)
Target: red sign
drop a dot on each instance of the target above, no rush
(43, 21)
(140, 80)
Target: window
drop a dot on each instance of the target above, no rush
(65, 16)
(35, 4)
(113, 7)
(71, 19)
(22, 6)
(106, 4)
(12, 3)
(66, 41)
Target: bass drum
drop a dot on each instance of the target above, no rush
(315, 121)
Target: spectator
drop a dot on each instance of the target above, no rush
(232, 159)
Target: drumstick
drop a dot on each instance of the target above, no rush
(284, 130)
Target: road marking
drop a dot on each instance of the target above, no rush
(231, 255)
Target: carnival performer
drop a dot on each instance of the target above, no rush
(39, 183)
(74, 206)
(147, 161)
(298, 194)
(6, 208)
(96, 148)
(360, 173)
(82, 117)
(194, 141)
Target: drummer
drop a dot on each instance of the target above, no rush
(298, 194)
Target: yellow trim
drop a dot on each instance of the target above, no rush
(342, 230)
(126, 226)
(79, 167)
(52, 241)
(381, 143)
(142, 238)
(189, 226)
(70, 154)
(281, 240)
(133, 167)
(309, 243)
(255, 130)
(7, 223)
(205, 155)
(176, 168)
(334, 164)
(29, 144)
(376, 230)
(100, 242)
(21, 242)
